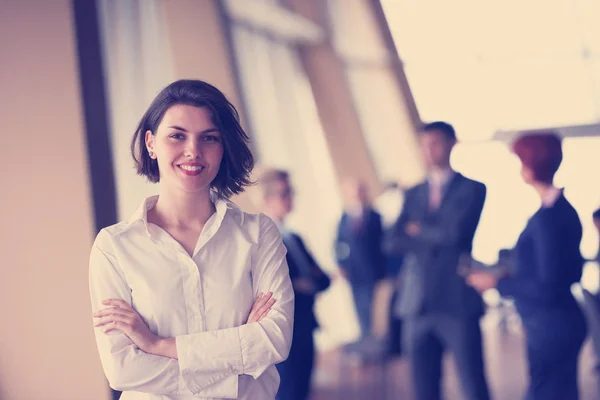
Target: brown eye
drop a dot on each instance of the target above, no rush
(211, 138)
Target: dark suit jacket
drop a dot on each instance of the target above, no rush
(547, 262)
(431, 283)
(304, 316)
(358, 250)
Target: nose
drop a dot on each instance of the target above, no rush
(192, 149)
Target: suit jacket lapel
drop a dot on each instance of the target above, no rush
(423, 200)
(450, 188)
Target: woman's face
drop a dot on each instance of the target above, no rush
(188, 148)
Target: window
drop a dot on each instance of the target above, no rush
(507, 65)
(286, 129)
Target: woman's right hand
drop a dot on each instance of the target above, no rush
(261, 307)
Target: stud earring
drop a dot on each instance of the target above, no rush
(151, 154)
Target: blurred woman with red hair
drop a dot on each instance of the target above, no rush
(547, 262)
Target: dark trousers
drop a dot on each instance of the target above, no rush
(394, 339)
(553, 351)
(296, 371)
(363, 301)
(426, 338)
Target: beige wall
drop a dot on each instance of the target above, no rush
(334, 101)
(47, 349)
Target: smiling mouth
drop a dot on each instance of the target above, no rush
(191, 170)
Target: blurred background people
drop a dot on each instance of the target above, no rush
(307, 280)
(325, 89)
(439, 310)
(358, 250)
(548, 262)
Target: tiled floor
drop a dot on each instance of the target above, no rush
(336, 378)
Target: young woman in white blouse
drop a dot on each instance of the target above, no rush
(191, 296)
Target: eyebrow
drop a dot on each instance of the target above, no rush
(210, 130)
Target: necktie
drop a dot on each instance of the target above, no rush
(435, 196)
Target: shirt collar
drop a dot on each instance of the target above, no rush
(222, 206)
(440, 177)
(356, 212)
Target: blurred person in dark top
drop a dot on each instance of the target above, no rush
(547, 261)
(358, 250)
(307, 280)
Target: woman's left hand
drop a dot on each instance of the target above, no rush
(120, 316)
(482, 281)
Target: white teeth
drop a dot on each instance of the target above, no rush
(190, 167)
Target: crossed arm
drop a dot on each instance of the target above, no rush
(205, 364)
(451, 229)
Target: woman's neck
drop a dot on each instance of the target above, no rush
(183, 209)
(546, 191)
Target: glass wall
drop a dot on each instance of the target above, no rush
(285, 126)
(286, 132)
(506, 66)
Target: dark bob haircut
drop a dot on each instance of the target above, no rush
(237, 163)
(541, 152)
(440, 126)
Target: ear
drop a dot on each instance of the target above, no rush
(149, 140)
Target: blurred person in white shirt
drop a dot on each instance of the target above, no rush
(192, 297)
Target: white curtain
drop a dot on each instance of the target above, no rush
(287, 133)
(136, 66)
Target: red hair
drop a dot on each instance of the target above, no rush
(541, 152)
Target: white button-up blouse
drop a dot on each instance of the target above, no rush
(203, 301)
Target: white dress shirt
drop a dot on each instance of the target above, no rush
(438, 183)
(203, 301)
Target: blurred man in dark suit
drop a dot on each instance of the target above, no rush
(434, 232)
(358, 250)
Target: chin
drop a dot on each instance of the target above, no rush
(193, 188)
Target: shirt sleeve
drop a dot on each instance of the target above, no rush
(126, 367)
(251, 348)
